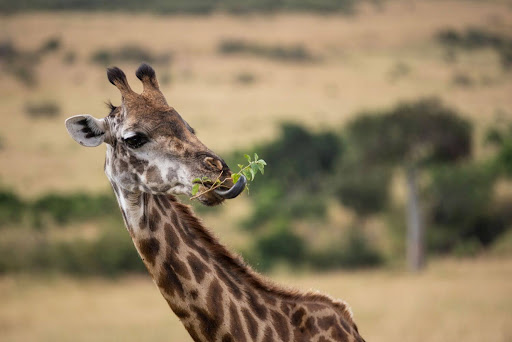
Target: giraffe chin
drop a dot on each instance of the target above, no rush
(210, 201)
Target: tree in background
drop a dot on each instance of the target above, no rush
(463, 211)
(500, 137)
(299, 163)
(411, 136)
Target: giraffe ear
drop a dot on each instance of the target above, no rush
(86, 130)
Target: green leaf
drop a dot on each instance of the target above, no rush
(261, 167)
(248, 157)
(252, 173)
(256, 157)
(241, 166)
(195, 189)
(254, 168)
(235, 177)
(196, 180)
(247, 173)
(262, 162)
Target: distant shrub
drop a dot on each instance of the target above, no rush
(245, 78)
(129, 53)
(295, 180)
(7, 51)
(51, 45)
(63, 209)
(354, 252)
(12, 208)
(500, 136)
(111, 254)
(461, 207)
(270, 206)
(467, 248)
(44, 109)
(102, 57)
(462, 80)
(183, 6)
(399, 70)
(506, 56)
(20, 64)
(294, 53)
(58, 209)
(32, 249)
(364, 190)
(69, 57)
(280, 245)
(25, 75)
(478, 38)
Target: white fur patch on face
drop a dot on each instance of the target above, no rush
(174, 175)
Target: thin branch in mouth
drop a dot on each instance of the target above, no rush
(212, 186)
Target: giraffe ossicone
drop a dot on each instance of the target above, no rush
(152, 155)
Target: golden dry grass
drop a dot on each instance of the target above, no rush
(358, 54)
(454, 300)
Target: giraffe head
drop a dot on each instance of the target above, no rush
(150, 148)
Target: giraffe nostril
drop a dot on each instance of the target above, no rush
(213, 163)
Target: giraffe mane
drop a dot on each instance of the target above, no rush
(241, 269)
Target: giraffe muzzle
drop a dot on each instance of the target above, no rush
(234, 191)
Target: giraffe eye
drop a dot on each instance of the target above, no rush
(136, 141)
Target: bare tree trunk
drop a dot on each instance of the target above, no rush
(415, 233)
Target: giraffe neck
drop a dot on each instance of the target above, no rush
(215, 295)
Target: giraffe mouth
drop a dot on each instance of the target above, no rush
(234, 191)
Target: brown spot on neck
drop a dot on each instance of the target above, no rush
(149, 249)
(236, 323)
(199, 269)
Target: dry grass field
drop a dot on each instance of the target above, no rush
(357, 69)
(453, 300)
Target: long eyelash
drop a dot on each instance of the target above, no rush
(142, 141)
(110, 106)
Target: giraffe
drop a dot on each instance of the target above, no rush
(152, 155)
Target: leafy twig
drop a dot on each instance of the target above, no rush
(249, 171)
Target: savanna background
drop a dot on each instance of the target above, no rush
(364, 111)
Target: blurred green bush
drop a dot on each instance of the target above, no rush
(59, 209)
(294, 53)
(355, 251)
(182, 6)
(478, 38)
(129, 53)
(461, 208)
(43, 109)
(21, 63)
(111, 254)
